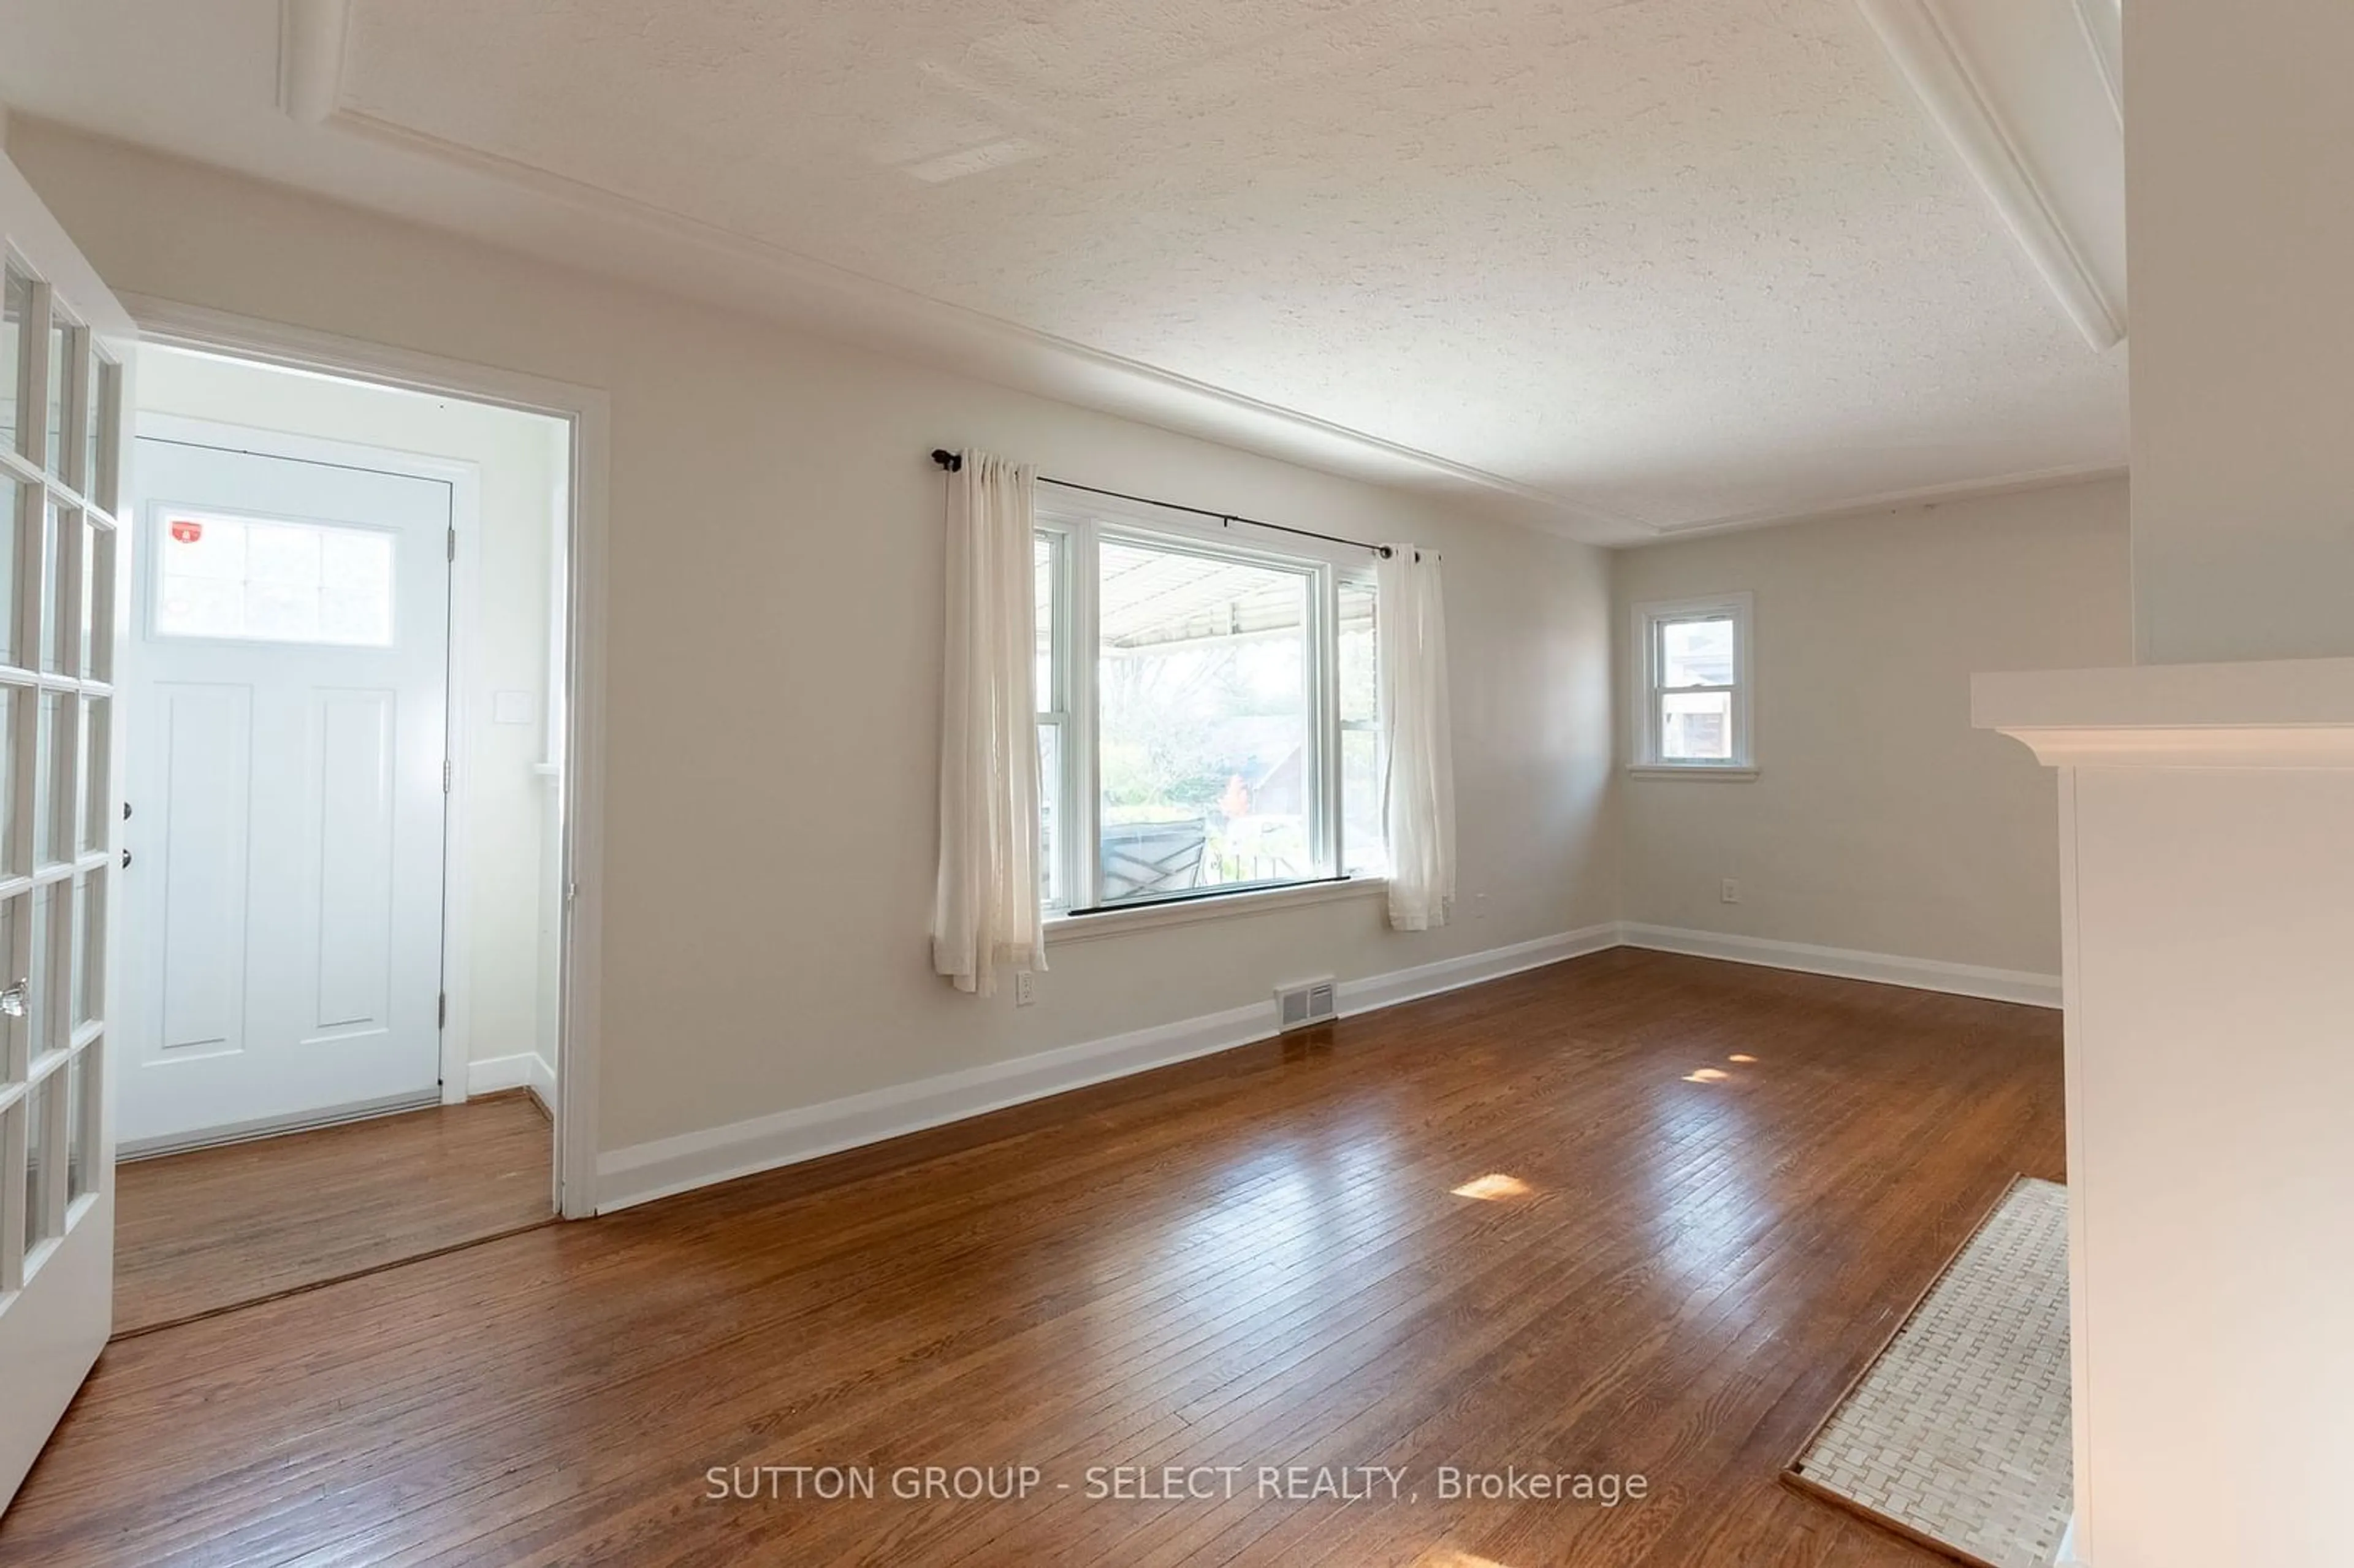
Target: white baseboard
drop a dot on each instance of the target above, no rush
(1352, 997)
(645, 1171)
(657, 1169)
(1885, 968)
(524, 1070)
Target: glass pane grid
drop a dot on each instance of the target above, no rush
(252, 580)
(60, 426)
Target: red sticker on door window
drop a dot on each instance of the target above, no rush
(186, 533)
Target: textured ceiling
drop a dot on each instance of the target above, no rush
(1674, 261)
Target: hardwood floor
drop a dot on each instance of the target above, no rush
(1253, 1260)
(217, 1227)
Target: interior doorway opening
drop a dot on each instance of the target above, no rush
(344, 968)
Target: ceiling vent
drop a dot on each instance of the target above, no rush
(1298, 1006)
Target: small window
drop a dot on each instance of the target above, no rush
(1693, 662)
(252, 580)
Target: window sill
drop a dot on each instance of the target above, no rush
(1722, 772)
(1063, 929)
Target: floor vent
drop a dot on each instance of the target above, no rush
(1298, 1006)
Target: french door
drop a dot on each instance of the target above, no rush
(63, 375)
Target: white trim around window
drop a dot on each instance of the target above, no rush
(1693, 687)
(1075, 534)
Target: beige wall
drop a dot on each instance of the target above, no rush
(774, 645)
(2239, 153)
(1880, 820)
(520, 461)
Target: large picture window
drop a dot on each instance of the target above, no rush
(1207, 713)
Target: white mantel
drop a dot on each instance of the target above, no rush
(2206, 864)
(2285, 712)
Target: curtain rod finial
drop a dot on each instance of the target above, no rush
(953, 462)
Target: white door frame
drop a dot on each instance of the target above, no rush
(588, 412)
(464, 479)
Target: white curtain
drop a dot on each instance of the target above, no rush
(1418, 760)
(985, 912)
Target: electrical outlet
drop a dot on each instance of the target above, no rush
(1479, 906)
(1731, 892)
(1026, 988)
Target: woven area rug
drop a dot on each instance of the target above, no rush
(1957, 1435)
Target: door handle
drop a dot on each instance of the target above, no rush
(11, 1000)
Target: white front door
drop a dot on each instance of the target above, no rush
(286, 785)
(62, 371)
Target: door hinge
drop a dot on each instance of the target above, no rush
(441, 1016)
(445, 775)
(453, 543)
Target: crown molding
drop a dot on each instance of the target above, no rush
(1919, 40)
(1900, 499)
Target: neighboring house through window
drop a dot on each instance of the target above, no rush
(1207, 711)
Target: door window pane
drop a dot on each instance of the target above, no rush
(14, 342)
(53, 827)
(14, 860)
(20, 525)
(104, 394)
(65, 344)
(90, 949)
(89, 600)
(54, 585)
(16, 1050)
(1205, 745)
(50, 1028)
(1696, 726)
(81, 1116)
(98, 736)
(37, 1162)
(264, 581)
(1696, 652)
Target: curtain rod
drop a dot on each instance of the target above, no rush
(953, 462)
